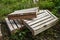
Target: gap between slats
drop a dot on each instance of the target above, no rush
(17, 23)
(48, 26)
(13, 24)
(38, 17)
(39, 20)
(41, 25)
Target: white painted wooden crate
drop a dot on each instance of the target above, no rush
(24, 13)
(45, 19)
(14, 25)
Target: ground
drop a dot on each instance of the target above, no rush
(52, 33)
(9, 6)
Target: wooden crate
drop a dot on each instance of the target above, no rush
(14, 25)
(45, 19)
(24, 14)
(18, 16)
(1, 37)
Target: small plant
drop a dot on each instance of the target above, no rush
(19, 35)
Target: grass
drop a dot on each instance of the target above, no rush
(8, 6)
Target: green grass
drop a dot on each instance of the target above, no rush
(8, 6)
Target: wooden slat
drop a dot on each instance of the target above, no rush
(21, 22)
(9, 24)
(39, 20)
(27, 10)
(13, 24)
(37, 27)
(49, 24)
(24, 14)
(18, 24)
(38, 17)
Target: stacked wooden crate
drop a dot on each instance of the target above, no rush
(45, 19)
(14, 20)
(14, 25)
(24, 14)
(35, 20)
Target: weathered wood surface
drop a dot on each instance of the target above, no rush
(24, 14)
(14, 25)
(45, 19)
(21, 17)
(1, 36)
